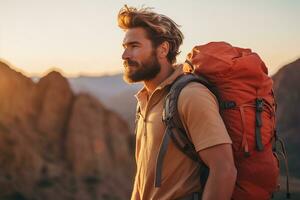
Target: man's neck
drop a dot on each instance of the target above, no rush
(152, 84)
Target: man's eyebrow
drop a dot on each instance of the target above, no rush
(130, 43)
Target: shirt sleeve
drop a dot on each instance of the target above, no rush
(199, 113)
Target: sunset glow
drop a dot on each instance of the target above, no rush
(82, 37)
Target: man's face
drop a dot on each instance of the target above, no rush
(140, 60)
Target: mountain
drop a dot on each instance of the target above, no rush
(287, 93)
(112, 91)
(56, 144)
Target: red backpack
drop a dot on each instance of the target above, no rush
(240, 81)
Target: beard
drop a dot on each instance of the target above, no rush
(146, 70)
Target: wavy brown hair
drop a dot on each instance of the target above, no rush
(159, 28)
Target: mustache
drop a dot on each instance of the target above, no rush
(129, 62)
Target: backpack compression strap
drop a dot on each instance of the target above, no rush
(175, 129)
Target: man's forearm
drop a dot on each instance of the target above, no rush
(220, 184)
(135, 194)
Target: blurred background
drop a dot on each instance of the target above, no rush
(66, 116)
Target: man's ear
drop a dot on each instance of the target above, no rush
(163, 49)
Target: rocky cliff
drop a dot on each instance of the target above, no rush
(287, 93)
(58, 145)
(112, 91)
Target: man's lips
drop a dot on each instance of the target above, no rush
(129, 68)
(128, 64)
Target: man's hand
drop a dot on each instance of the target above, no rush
(222, 172)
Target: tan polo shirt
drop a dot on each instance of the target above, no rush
(199, 113)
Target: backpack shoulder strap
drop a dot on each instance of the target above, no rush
(171, 116)
(174, 127)
(170, 113)
(137, 117)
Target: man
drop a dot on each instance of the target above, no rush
(151, 45)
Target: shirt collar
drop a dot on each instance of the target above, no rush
(168, 81)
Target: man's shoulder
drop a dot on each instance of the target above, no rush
(196, 89)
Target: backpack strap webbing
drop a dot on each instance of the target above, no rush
(137, 117)
(175, 129)
(259, 103)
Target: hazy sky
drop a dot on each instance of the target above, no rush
(82, 36)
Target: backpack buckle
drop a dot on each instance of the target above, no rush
(259, 103)
(167, 116)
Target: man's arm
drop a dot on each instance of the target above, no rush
(135, 193)
(199, 112)
(222, 172)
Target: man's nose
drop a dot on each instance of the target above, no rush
(126, 54)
